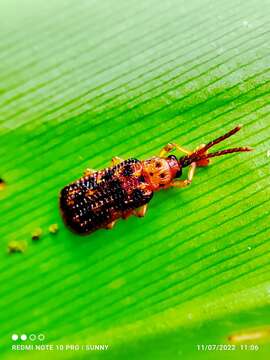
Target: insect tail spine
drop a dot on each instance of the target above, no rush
(201, 154)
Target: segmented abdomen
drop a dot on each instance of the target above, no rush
(94, 201)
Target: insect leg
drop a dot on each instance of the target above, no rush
(191, 171)
(127, 214)
(110, 225)
(141, 211)
(170, 147)
(116, 160)
(204, 162)
(188, 181)
(89, 172)
(180, 183)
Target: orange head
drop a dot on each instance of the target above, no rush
(160, 172)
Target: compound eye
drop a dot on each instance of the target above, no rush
(173, 157)
(179, 173)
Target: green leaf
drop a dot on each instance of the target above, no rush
(82, 81)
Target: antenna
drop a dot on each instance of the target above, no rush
(201, 154)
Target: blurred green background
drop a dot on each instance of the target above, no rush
(82, 81)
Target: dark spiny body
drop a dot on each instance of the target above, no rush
(94, 201)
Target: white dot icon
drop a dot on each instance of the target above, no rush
(14, 337)
(41, 337)
(23, 337)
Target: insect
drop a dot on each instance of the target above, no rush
(99, 198)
